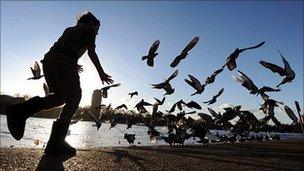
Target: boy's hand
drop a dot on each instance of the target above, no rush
(79, 68)
(106, 78)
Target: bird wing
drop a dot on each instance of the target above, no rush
(287, 67)
(191, 44)
(247, 82)
(254, 47)
(219, 93)
(172, 108)
(196, 83)
(267, 89)
(37, 69)
(46, 89)
(215, 73)
(158, 86)
(176, 61)
(154, 47)
(290, 113)
(193, 104)
(274, 68)
(213, 113)
(175, 73)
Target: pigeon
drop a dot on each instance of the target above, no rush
(193, 104)
(133, 93)
(36, 71)
(211, 79)
(105, 89)
(231, 60)
(140, 106)
(193, 82)
(213, 100)
(152, 54)
(155, 105)
(130, 138)
(178, 104)
(166, 84)
(184, 53)
(96, 120)
(121, 106)
(286, 71)
(46, 89)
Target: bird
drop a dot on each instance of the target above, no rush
(140, 106)
(214, 114)
(286, 71)
(121, 106)
(36, 71)
(211, 79)
(166, 84)
(231, 60)
(96, 119)
(105, 89)
(152, 54)
(194, 83)
(193, 104)
(184, 53)
(130, 138)
(178, 104)
(214, 98)
(46, 89)
(133, 94)
(156, 104)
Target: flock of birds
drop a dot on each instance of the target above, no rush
(181, 128)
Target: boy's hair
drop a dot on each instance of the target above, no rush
(88, 17)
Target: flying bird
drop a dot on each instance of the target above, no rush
(231, 60)
(184, 53)
(178, 104)
(140, 106)
(36, 71)
(214, 98)
(121, 106)
(133, 94)
(193, 104)
(286, 71)
(194, 83)
(105, 89)
(46, 89)
(152, 54)
(166, 84)
(211, 79)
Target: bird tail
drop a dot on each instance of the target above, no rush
(144, 57)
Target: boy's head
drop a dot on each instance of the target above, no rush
(88, 18)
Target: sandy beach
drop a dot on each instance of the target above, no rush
(271, 155)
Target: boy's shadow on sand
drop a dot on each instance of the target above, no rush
(52, 162)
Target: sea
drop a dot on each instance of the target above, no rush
(84, 135)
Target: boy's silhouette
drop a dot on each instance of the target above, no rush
(61, 74)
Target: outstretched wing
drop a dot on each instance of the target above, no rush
(191, 45)
(219, 93)
(274, 68)
(254, 47)
(245, 81)
(215, 73)
(154, 47)
(173, 75)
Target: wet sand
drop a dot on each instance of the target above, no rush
(271, 155)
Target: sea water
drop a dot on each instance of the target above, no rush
(84, 134)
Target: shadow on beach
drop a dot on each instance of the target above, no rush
(52, 162)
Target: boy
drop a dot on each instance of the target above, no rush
(60, 69)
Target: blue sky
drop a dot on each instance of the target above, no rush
(29, 29)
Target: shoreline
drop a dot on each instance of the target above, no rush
(270, 155)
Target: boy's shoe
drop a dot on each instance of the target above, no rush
(16, 118)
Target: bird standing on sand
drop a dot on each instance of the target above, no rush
(166, 84)
(130, 138)
(152, 54)
(194, 83)
(133, 94)
(214, 98)
(184, 53)
(286, 71)
(105, 89)
(36, 71)
(231, 60)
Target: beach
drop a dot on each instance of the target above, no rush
(268, 155)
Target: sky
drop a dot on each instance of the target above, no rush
(128, 29)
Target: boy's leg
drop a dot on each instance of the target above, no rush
(70, 86)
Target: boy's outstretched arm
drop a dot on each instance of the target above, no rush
(94, 58)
